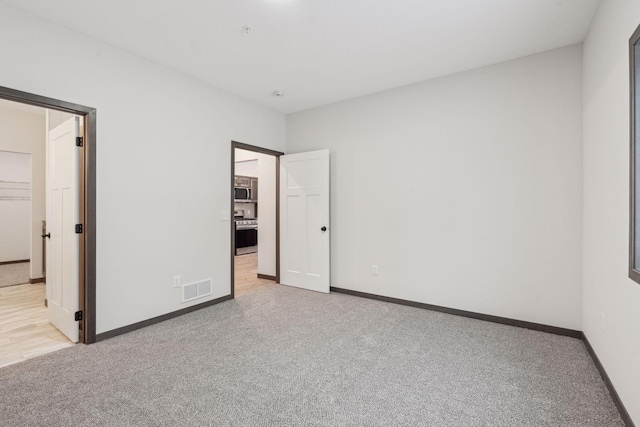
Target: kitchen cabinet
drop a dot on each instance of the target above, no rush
(254, 189)
(246, 240)
(242, 181)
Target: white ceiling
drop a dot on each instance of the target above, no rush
(322, 51)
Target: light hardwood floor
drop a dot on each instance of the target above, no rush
(25, 331)
(246, 275)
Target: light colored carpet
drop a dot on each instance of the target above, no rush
(288, 357)
(14, 274)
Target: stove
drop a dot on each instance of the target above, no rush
(246, 223)
(242, 221)
(246, 233)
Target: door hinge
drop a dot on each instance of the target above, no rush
(78, 228)
(78, 315)
(79, 141)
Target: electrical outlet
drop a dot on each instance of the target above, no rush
(224, 215)
(602, 322)
(176, 281)
(374, 270)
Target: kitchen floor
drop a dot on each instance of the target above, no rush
(25, 331)
(246, 275)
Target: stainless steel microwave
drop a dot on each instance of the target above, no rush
(241, 193)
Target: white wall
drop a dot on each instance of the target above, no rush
(247, 167)
(162, 162)
(607, 290)
(56, 118)
(15, 167)
(249, 209)
(490, 163)
(25, 132)
(266, 173)
(15, 205)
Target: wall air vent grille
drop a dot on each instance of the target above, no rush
(191, 291)
(204, 288)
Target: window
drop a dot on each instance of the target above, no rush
(634, 217)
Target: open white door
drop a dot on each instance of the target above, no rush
(62, 217)
(304, 220)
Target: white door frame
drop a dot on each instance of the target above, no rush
(87, 261)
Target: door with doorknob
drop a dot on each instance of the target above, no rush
(304, 220)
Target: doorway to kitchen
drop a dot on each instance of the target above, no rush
(255, 237)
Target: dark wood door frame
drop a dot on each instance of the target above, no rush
(276, 154)
(87, 200)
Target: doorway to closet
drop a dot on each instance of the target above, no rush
(47, 197)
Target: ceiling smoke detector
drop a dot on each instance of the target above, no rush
(278, 93)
